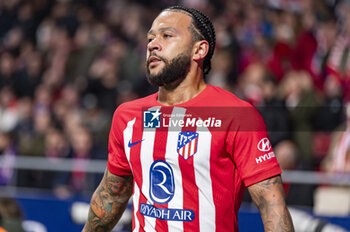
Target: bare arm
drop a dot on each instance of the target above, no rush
(108, 202)
(269, 198)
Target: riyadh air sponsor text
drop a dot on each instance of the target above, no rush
(166, 214)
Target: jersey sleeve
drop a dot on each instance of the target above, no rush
(251, 149)
(117, 161)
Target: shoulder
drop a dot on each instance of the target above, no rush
(226, 98)
(244, 116)
(128, 111)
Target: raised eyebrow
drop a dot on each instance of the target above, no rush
(168, 29)
(151, 32)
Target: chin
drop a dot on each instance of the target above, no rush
(154, 71)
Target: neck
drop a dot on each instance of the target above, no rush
(177, 93)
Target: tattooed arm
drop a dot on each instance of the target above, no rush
(269, 198)
(108, 202)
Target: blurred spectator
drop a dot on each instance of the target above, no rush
(249, 83)
(339, 58)
(78, 181)
(329, 117)
(306, 44)
(325, 34)
(335, 199)
(69, 96)
(288, 157)
(25, 119)
(338, 158)
(331, 114)
(43, 98)
(25, 20)
(8, 72)
(97, 121)
(7, 16)
(30, 75)
(32, 143)
(10, 215)
(84, 50)
(8, 109)
(8, 159)
(103, 78)
(221, 68)
(56, 147)
(280, 61)
(297, 89)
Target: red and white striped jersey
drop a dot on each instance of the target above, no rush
(191, 162)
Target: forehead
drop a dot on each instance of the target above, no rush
(172, 19)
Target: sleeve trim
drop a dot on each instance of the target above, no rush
(262, 175)
(117, 171)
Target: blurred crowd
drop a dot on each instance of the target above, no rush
(65, 65)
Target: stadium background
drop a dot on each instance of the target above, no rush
(65, 66)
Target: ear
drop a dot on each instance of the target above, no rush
(200, 50)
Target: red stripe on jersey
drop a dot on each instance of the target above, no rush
(140, 217)
(195, 142)
(190, 192)
(189, 149)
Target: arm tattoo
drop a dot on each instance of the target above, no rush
(269, 198)
(108, 202)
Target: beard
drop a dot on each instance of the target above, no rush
(174, 70)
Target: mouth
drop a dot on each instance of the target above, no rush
(153, 61)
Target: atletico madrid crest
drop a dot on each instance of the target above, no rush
(187, 144)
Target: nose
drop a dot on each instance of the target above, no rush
(153, 45)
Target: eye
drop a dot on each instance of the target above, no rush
(167, 35)
(149, 40)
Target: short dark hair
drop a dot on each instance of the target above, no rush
(202, 29)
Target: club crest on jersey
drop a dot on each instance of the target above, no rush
(151, 118)
(187, 144)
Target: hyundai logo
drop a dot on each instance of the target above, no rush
(264, 144)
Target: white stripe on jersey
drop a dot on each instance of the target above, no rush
(187, 150)
(127, 134)
(181, 151)
(135, 200)
(203, 181)
(146, 158)
(177, 201)
(193, 145)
